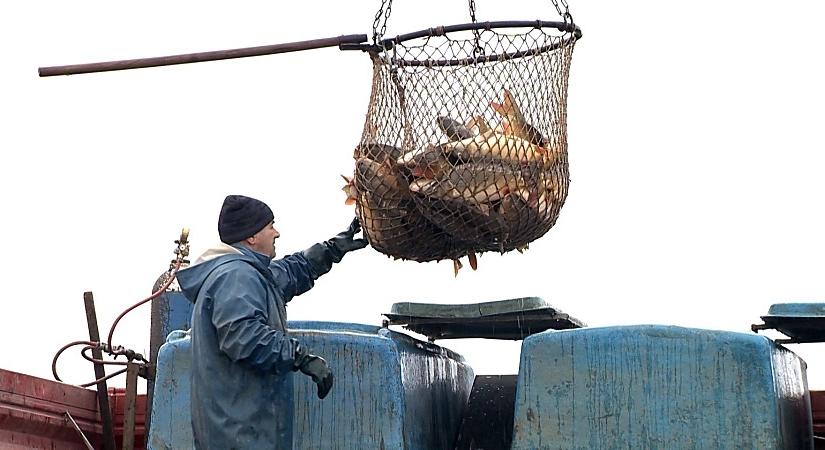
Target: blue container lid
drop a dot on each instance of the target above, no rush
(797, 310)
(501, 319)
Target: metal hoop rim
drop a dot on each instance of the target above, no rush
(387, 44)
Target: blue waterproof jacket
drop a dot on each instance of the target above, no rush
(242, 358)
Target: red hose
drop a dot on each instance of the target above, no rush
(172, 274)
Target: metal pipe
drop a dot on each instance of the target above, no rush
(187, 58)
(481, 59)
(572, 34)
(100, 374)
(79, 431)
(442, 30)
(63, 349)
(99, 380)
(181, 252)
(155, 294)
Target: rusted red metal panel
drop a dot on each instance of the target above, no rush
(117, 400)
(33, 414)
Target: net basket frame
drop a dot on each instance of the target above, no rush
(399, 216)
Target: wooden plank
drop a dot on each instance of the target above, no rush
(129, 408)
(102, 391)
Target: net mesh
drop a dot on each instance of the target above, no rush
(464, 148)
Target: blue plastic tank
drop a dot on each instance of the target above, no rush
(391, 391)
(659, 387)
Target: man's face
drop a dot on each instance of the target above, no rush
(264, 240)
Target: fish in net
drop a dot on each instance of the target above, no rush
(464, 148)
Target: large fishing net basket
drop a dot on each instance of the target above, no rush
(464, 148)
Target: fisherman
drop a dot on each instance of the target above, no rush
(242, 356)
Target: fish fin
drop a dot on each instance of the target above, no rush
(479, 123)
(456, 267)
(506, 128)
(349, 189)
(507, 108)
(509, 103)
(473, 261)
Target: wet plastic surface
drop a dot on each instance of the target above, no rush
(390, 391)
(659, 387)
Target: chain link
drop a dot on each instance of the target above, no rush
(385, 11)
(478, 50)
(565, 15)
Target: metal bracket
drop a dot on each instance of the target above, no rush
(363, 47)
(756, 327)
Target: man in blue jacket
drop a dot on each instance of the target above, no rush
(242, 357)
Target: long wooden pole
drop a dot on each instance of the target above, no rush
(217, 55)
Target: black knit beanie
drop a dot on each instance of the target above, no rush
(242, 217)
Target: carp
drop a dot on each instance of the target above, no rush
(380, 153)
(528, 220)
(429, 162)
(391, 220)
(494, 146)
(474, 183)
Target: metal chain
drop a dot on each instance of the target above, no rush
(564, 14)
(376, 34)
(478, 50)
(386, 10)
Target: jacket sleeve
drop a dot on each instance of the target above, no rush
(294, 275)
(240, 319)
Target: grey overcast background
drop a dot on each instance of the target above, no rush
(696, 158)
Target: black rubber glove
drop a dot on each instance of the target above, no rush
(324, 254)
(345, 241)
(316, 367)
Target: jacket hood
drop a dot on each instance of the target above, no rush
(192, 278)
